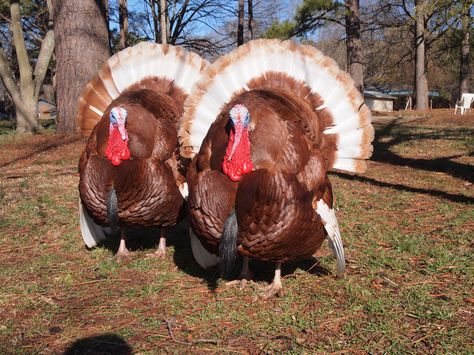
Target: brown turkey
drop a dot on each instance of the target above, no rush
(273, 118)
(130, 170)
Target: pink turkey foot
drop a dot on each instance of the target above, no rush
(122, 254)
(275, 288)
(160, 251)
(244, 276)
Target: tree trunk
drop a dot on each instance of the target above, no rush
(104, 8)
(465, 67)
(25, 94)
(48, 93)
(240, 27)
(123, 22)
(251, 22)
(27, 114)
(354, 45)
(421, 77)
(163, 26)
(81, 48)
(26, 120)
(156, 20)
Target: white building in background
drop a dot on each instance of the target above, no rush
(378, 101)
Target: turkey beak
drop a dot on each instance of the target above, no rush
(123, 131)
(238, 129)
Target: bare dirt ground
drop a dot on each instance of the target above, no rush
(407, 225)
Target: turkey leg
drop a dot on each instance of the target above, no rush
(244, 276)
(275, 288)
(122, 252)
(161, 249)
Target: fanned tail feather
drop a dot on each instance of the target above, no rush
(301, 69)
(130, 66)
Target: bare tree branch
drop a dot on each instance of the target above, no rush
(179, 27)
(7, 77)
(45, 54)
(19, 42)
(123, 24)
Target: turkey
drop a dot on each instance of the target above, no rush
(131, 173)
(264, 126)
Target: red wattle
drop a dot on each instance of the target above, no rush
(117, 148)
(240, 163)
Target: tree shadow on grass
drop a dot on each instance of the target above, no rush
(392, 134)
(400, 187)
(41, 147)
(100, 345)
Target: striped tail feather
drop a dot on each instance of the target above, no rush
(344, 122)
(131, 66)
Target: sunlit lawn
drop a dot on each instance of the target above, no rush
(407, 224)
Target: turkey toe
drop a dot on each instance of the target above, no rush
(273, 290)
(159, 253)
(122, 256)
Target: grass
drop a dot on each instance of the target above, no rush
(407, 225)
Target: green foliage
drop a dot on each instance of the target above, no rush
(312, 14)
(34, 17)
(281, 30)
(133, 38)
(4, 7)
(311, 8)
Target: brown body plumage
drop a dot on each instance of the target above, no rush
(273, 203)
(282, 210)
(146, 185)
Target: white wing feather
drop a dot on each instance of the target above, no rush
(328, 216)
(92, 233)
(202, 256)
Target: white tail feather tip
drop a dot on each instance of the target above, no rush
(231, 74)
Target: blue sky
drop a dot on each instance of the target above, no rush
(140, 5)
